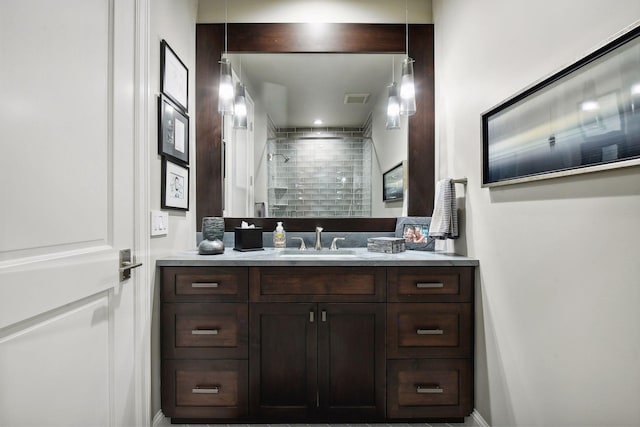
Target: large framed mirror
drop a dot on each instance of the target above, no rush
(312, 39)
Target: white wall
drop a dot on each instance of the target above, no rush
(390, 148)
(558, 319)
(173, 21)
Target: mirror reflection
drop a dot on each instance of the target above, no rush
(316, 144)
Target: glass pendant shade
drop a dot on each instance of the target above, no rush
(393, 108)
(407, 89)
(240, 108)
(225, 92)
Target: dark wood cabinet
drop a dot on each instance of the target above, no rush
(317, 344)
(205, 335)
(430, 342)
(283, 361)
(321, 361)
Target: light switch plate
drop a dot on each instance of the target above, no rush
(159, 223)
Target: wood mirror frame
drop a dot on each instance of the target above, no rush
(296, 38)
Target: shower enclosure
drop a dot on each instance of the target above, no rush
(314, 173)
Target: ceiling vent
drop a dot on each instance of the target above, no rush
(356, 98)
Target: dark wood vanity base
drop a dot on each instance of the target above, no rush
(317, 344)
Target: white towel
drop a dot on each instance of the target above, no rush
(444, 220)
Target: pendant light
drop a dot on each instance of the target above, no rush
(407, 87)
(393, 104)
(240, 105)
(225, 89)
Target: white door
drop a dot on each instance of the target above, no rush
(68, 341)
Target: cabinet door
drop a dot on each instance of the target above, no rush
(351, 361)
(283, 361)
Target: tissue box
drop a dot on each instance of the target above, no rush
(387, 245)
(248, 239)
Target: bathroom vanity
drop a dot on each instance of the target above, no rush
(279, 336)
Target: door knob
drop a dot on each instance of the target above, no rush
(127, 263)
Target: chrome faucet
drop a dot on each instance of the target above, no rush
(318, 238)
(334, 247)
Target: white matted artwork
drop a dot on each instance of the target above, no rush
(174, 76)
(175, 186)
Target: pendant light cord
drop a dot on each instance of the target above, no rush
(226, 5)
(406, 26)
(393, 68)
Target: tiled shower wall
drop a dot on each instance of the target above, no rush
(328, 173)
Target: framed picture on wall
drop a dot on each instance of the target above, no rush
(175, 186)
(174, 76)
(173, 131)
(393, 183)
(583, 118)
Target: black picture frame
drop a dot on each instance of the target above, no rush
(173, 131)
(393, 183)
(582, 118)
(415, 232)
(175, 186)
(174, 77)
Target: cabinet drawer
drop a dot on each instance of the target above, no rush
(429, 388)
(317, 284)
(204, 284)
(204, 389)
(429, 330)
(430, 284)
(205, 330)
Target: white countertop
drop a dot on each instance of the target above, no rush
(289, 257)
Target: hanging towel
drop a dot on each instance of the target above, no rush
(444, 220)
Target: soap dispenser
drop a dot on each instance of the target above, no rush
(279, 236)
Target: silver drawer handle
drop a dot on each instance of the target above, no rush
(205, 285)
(204, 332)
(429, 331)
(429, 390)
(429, 285)
(210, 390)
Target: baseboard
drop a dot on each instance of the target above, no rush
(478, 420)
(158, 418)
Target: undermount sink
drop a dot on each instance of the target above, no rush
(312, 253)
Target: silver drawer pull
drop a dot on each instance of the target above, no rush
(205, 285)
(429, 331)
(429, 285)
(209, 390)
(429, 390)
(204, 332)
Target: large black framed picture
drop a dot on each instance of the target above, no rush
(173, 131)
(393, 183)
(174, 76)
(583, 118)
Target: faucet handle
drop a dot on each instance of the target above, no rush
(334, 247)
(303, 247)
(319, 229)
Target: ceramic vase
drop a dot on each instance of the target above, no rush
(212, 235)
